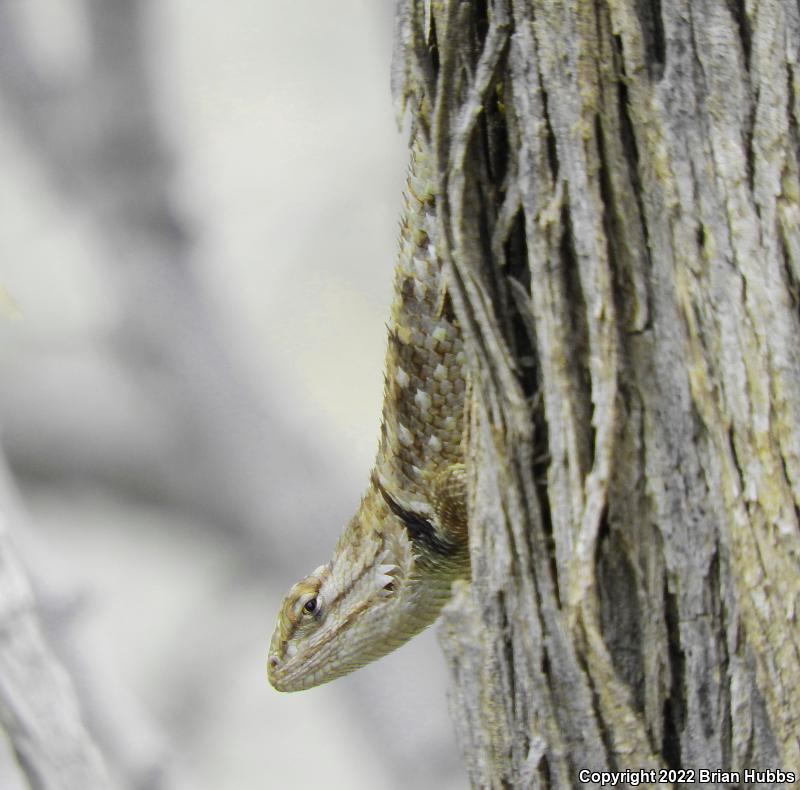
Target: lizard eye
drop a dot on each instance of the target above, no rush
(310, 605)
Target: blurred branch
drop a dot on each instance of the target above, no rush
(39, 709)
(210, 445)
(134, 747)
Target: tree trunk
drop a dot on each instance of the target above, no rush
(619, 209)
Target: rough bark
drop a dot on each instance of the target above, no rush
(619, 204)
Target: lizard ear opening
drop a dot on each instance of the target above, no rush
(386, 578)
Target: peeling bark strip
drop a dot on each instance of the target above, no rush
(620, 209)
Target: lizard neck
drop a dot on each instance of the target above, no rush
(393, 566)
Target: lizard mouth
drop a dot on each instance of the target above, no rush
(273, 665)
(278, 675)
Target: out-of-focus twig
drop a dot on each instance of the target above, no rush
(202, 439)
(39, 709)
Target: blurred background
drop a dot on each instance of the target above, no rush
(198, 217)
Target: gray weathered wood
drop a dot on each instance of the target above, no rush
(620, 204)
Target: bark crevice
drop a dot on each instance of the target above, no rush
(652, 27)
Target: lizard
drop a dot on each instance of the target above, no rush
(394, 564)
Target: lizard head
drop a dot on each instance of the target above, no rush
(366, 602)
(389, 577)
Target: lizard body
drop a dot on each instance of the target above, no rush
(394, 564)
